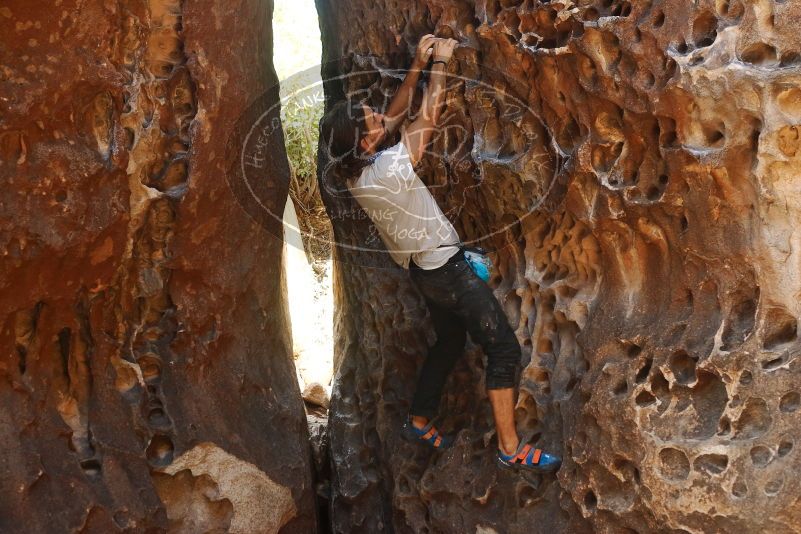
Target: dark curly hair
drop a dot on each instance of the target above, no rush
(341, 129)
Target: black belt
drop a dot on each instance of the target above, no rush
(456, 257)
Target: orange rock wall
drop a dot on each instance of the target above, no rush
(642, 204)
(143, 310)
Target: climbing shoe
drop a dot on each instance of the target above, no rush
(527, 458)
(428, 434)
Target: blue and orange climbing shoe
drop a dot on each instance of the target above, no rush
(527, 458)
(428, 434)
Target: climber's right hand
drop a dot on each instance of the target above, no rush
(443, 49)
(424, 50)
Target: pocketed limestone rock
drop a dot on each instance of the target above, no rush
(633, 167)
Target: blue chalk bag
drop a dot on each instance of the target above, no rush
(477, 259)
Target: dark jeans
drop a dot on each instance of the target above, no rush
(459, 302)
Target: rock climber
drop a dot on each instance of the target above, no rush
(420, 238)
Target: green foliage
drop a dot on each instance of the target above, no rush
(300, 116)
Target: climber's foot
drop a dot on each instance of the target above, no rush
(427, 434)
(527, 458)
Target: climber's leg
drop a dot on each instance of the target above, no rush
(456, 288)
(485, 320)
(438, 364)
(503, 409)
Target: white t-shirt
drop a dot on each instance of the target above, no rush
(403, 211)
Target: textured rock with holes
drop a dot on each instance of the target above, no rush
(643, 205)
(143, 311)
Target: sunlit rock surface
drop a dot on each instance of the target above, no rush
(143, 311)
(644, 208)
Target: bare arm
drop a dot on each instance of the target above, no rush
(417, 136)
(402, 101)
